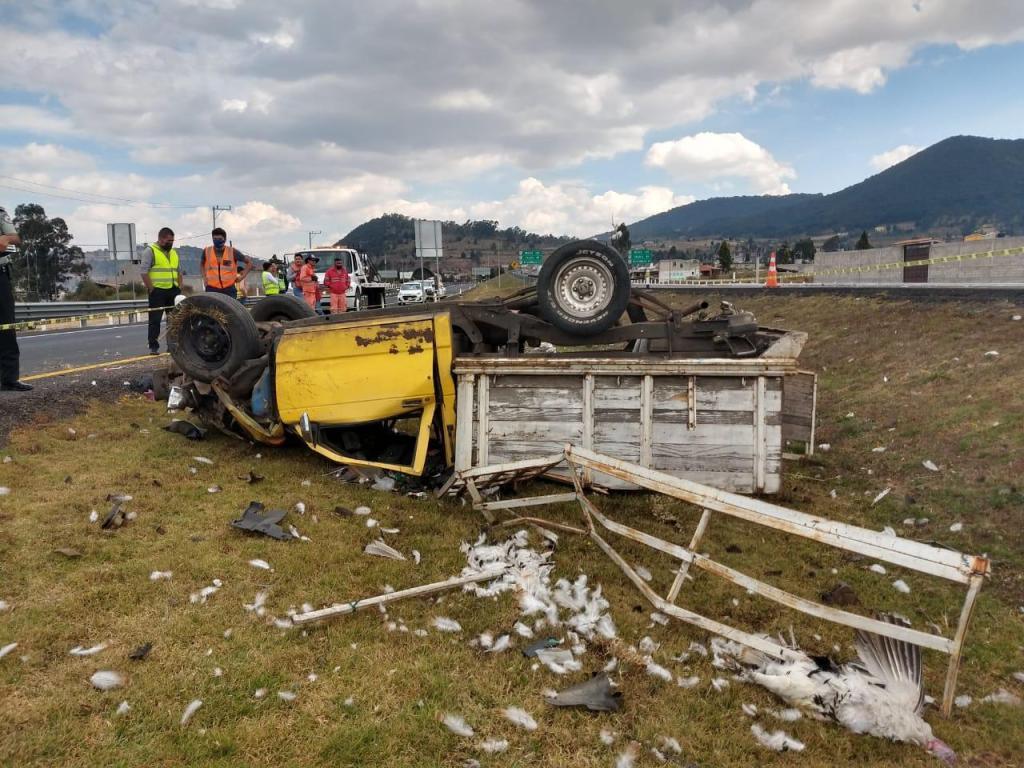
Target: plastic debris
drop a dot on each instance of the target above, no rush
(254, 521)
(596, 694)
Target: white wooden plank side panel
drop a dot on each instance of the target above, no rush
(557, 432)
(537, 397)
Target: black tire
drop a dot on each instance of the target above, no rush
(362, 301)
(583, 288)
(212, 336)
(281, 308)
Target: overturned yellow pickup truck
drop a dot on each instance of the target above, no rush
(579, 358)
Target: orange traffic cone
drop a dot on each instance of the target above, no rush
(773, 273)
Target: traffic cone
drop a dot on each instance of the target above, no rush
(773, 273)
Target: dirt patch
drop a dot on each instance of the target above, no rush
(60, 397)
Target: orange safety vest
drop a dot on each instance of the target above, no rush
(222, 272)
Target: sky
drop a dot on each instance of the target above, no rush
(558, 116)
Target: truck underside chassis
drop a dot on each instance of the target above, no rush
(376, 388)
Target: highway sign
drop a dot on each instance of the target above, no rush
(531, 257)
(639, 256)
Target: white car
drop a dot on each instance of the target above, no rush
(412, 293)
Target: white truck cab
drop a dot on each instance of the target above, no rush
(366, 289)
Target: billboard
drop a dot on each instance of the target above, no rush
(428, 239)
(121, 242)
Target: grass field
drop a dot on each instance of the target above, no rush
(912, 378)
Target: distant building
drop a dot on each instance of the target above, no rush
(677, 270)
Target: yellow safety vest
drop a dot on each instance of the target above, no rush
(164, 272)
(270, 287)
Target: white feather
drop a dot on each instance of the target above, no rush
(258, 563)
(642, 572)
(876, 568)
(123, 708)
(777, 740)
(491, 746)
(446, 625)
(656, 670)
(503, 643)
(416, 556)
(647, 645)
(963, 701)
(190, 710)
(750, 710)
(80, 651)
(522, 630)
(202, 460)
(286, 695)
(627, 759)
(901, 586)
(106, 680)
(260, 693)
(457, 725)
(788, 715)
(719, 684)
(607, 737)
(161, 575)
(671, 745)
(520, 717)
(688, 682)
(257, 603)
(659, 618)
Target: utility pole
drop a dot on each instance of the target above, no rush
(311, 233)
(216, 208)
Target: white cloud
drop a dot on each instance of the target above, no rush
(34, 120)
(895, 155)
(469, 99)
(712, 156)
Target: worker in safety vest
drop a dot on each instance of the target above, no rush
(162, 278)
(220, 265)
(271, 282)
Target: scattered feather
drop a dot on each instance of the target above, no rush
(607, 737)
(286, 695)
(612, 665)
(659, 618)
(881, 496)
(4, 606)
(1002, 696)
(106, 680)
(788, 715)
(956, 527)
(929, 465)
(877, 568)
(213, 489)
(522, 630)
(416, 556)
(503, 643)
(719, 684)
(642, 572)
(491, 746)
(656, 670)
(520, 717)
(260, 693)
(94, 516)
(457, 725)
(446, 625)
(161, 575)
(123, 708)
(191, 709)
(901, 586)
(777, 740)
(361, 510)
(202, 460)
(963, 701)
(627, 758)
(258, 563)
(380, 548)
(688, 682)
(647, 645)
(668, 744)
(7, 649)
(750, 710)
(80, 651)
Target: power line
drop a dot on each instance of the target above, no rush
(91, 194)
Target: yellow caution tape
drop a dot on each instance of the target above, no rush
(79, 369)
(798, 276)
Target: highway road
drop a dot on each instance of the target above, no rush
(46, 351)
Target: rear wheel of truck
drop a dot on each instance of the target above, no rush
(281, 308)
(360, 302)
(211, 335)
(583, 288)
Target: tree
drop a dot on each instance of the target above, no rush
(725, 256)
(831, 245)
(862, 243)
(783, 254)
(804, 249)
(47, 258)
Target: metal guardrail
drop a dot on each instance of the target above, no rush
(55, 310)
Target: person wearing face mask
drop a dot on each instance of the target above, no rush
(163, 282)
(220, 266)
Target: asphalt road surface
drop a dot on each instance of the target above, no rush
(43, 352)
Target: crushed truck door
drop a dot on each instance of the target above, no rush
(340, 375)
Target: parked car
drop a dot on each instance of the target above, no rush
(412, 293)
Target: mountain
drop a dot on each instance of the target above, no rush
(957, 184)
(392, 236)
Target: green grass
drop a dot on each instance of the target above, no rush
(400, 684)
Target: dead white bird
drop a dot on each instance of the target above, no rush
(520, 717)
(882, 696)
